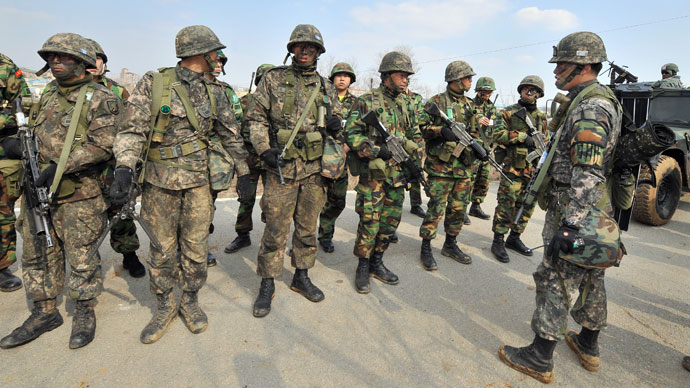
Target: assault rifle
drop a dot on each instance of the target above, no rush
(37, 197)
(537, 137)
(395, 146)
(465, 139)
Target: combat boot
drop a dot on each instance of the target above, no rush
(513, 242)
(498, 249)
(686, 363)
(362, 276)
(467, 220)
(303, 285)
(262, 304)
(130, 262)
(418, 211)
(379, 271)
(44, 317)
(327, 246)
(211, 259)
(193, 316)
(394, 239)
(427, 257)
(242, 240)
(586, 346)
(476, 211)
(451, 249)
(166, 311)
(535, 360)
(83, 324)
(9, 282)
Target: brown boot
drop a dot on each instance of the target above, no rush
(586, 349)
(166, 311)
(192, 315)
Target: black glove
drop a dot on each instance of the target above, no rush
(384, 153)
(270, 157)
(244, 187)
(120, 187)
(448, 134)
(529, 142)
(47, 176)
(333, 126)
(12, 148)
(563, 241)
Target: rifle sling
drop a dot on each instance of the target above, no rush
(300, 121)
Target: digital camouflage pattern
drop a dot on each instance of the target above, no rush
(396, 61)
(71, 44)
(306, 33)
(581, 47)
(196, 40)
(449, 197)
(457, 70)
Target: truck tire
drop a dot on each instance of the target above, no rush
(656, 205)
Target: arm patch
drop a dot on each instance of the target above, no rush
(588, 147)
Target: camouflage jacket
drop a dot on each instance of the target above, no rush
(114, 87)
(348, 102)
(234, 101)
(85, 160)
(439, 159)
(583, 156)
(12, 85)
(489, 110)
(400, 120)
(188, 171)
(268, 109)
(509, 135)
(670, 82)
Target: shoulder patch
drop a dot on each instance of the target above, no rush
(113, 106)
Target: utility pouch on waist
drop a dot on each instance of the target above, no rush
(11, 171)
(313, 145)
(446, 151)
(377, 169)
(354, 163)
(519, 157)
(499, 155)
(283, 136)
(622, 190)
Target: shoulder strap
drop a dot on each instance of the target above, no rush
(310, 102)
(289, 93)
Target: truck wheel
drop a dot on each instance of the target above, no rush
(656, 205)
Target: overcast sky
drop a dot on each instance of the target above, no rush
(502, 39)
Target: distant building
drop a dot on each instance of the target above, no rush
(128, 79)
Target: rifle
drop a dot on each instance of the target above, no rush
(37, 198)
(251, 82)
(273, 141)
(465, 139)
(395, 146)
(619, 75)
(537, 137)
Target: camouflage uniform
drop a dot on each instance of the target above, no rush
(416, 105)
(480, 182)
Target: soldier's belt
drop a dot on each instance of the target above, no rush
(171, 152)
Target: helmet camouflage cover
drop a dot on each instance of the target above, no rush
(670, 68)
(485, 83)
(260, 71)
(532, 80)
(396, 61)
(99, 50)
(306, 33)
(196, 40)
(70, 44)
(458, 70)
(580, 47)
(343, 67)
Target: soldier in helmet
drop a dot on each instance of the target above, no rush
(243, 224)
(123, 235)
(342, 76)
(484, 87)
(87, 111)
(581, 164)
(669, 77)
(176, 198)
(514, 138)
(381, 188)
(416, 102)
(286, 112)
(450, 177)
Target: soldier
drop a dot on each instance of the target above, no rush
(12, 86)
(243, 224)
(381, 188)
(342, 76)
(176, 198)
(669, 77)
(417, 104)
(450, 177)
(123, 235)
(515, 141)
(76, 107)
(580, 168)
(480, 183)
(283, 114)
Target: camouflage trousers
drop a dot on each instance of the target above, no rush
(379, 206)
(8, 235)
(449, 196)
(556, 280)
(76, 227)
(480, 182)
(336, 192)
(170, 213)
(509, 203)
(415, 194)
(244, 213)
(299, 201)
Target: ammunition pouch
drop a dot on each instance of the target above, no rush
(354, 163)
(11, 171)
(518, 157)
(378, 169)
(306, 145)
(622, 189)
(500, 154)
(177, 151)
(445, 150)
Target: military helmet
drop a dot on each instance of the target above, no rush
(99, 50)
(396, 61)
(343, 67)
(306, 33)
(196, 40)
(458, 70)
(670, 68)
(485, 83)
(260, 71)
(70, 44)
(532, 80)
(580, 47)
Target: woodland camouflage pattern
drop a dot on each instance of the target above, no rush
(480, 182)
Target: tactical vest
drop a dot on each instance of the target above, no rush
(516, 154)
(444, 149)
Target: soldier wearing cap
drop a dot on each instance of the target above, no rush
(74, 107)
(579, 168)
(289, 115)
(669, 77)
(175, 143)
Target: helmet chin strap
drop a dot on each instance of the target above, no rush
(212, 63)
(576, 71)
